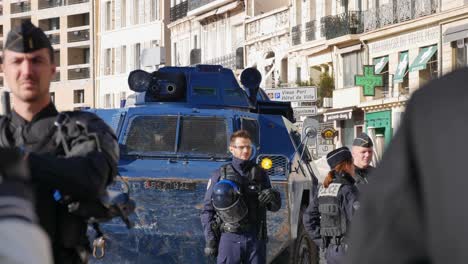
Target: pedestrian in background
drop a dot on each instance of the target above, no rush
(363, 151)
(328, 217)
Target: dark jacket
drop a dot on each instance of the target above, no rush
(362, 175)
(414, 210)
(348, 197)
(208, 212)
(83, 178)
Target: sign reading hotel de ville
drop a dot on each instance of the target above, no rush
(405, 41)
(297, 94)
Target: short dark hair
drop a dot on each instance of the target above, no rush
(240, 134)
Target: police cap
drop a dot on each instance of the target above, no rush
(27, 38)
(338, 155)
(363, 140)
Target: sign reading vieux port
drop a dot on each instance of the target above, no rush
(296, 94)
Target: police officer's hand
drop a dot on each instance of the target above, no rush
(211, 248)
(266, 196)
(13, 164)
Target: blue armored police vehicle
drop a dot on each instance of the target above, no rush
(175, 135)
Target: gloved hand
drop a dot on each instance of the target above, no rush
(211, 248)
(13, 166)
(266, 196)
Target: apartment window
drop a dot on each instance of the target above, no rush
(137, 55)
(461, 54)
(52, 97)
(57, 57)
(154, 43)
(108, 15)
(176, 63)
(154, 10)
(298, 74)
(78, 96)
(123, 59)
(107, 61)
(136, 11)
(431, 71)
(352, 65)
(123, 13)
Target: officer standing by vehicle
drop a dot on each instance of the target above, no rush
(328, 217)
(235, 205)
(363, 151)
(72, 156)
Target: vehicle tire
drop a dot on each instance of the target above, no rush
(304, 250)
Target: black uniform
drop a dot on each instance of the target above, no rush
(247, 244)
(82, 175)
(340, 201)
(414, 211)
(362, 175)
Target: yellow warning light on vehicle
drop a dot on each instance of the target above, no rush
(266, 163)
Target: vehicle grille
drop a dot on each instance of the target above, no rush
(280, 167)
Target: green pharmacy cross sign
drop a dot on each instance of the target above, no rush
(369, 80)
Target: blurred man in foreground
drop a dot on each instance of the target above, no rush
(415, 209)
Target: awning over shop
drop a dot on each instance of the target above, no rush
(380, 64)
(456, 33)
(401, 69)
(338, 114)
(423, 57)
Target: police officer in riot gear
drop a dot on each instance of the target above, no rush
(235, 205)
(363, 151)
(72, 156)
(328, 216)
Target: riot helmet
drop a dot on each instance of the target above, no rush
(228, 202)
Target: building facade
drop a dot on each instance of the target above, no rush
(409, 42)
(208, 32)
(130, 35)
(68, 25)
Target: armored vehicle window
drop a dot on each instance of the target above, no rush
(203, 135)
(204, 90)
(152, 133)
(251, 125)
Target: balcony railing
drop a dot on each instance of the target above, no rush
(54, 38)
(178, 11)
(20, 7)
(73, 2)
(396, 12)
(268, 25)
(296, 34)
(43, 4)
(78, 35)
(342, 24)
(227, 61)
(78, 73)
(194, 4)
(310, 30)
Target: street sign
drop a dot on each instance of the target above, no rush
(296, 94)
(329, 133)
(323, 150)
(305, 111)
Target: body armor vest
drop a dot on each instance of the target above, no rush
(332, 219)
(250, 187)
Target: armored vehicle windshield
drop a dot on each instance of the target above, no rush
(177, 135)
